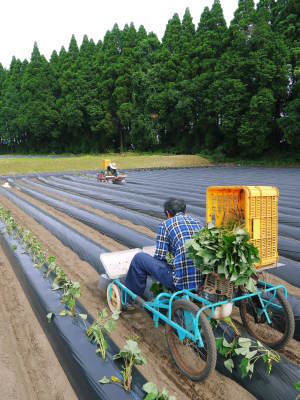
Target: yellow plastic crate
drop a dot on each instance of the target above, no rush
(105, 164)
(256, 206)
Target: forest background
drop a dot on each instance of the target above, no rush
(211, 89)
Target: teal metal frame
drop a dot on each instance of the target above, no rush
(164, 301)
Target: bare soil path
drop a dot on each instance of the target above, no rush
(29, 369)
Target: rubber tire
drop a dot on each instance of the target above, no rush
(288, 335)
(116, 291)
(209, 337)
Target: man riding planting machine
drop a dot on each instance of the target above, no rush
(209, 270)
(109, 173)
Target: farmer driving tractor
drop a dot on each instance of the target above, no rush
(112, 170)
(109, 173)
(171, 236)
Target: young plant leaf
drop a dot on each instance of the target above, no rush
(104, 380)
(132, 347)
(242, 351)
(229, 364)
(109, 325)
(150, 387)
(50, 316)
(244, 342)
(251, 354)
(151, 396)
(244, 367)
(115, 379)
(297, 385)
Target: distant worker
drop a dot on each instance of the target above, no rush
(171, 236)
(112, 170)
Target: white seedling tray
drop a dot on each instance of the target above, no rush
(116, 264)
(149, 250)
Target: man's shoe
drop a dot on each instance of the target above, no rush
(129, 307)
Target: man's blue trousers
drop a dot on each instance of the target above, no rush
(143, 265)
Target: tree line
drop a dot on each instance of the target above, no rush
(230, 90)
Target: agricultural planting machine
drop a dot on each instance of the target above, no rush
(109, 173)
(191, 316)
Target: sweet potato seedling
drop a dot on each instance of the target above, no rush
(154, 394)
(250, 351)
(71, 292)
(103, 323)
(227, 252)
(51, 265)
(60, 278)
(131, 356)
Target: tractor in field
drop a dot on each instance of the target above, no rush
(109, 173)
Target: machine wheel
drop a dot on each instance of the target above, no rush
(113, 297)
(275, 335)
(194, 362)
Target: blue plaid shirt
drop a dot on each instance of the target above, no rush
(171, 236)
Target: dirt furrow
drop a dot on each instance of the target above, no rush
(29, 369)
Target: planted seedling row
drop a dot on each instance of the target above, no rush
(70, 292)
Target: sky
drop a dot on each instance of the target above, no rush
(51, 23)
